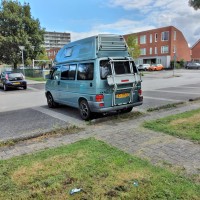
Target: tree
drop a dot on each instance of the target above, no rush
(18, 28)
(195, 4)
(133, 47)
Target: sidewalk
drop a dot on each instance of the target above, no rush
(130, 137)
(34, 82)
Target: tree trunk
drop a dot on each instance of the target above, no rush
(15, 65)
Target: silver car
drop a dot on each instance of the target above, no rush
(193, 65)
(144, 67)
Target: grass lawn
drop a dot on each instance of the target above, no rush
(103, 172)
(185, 125)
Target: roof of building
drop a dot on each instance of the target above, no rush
(198, 41)
(153, 29)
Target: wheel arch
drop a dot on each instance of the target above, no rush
(80, 99)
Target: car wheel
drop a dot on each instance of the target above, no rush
(50, 101)
(25, 87)
(5, 88)
(84, 109)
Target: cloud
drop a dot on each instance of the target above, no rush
(123, 26)
(164, 13)
(152, 14)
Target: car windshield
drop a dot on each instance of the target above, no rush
(15, 75)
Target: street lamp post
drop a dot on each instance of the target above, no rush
(174, 62)
(22, 49)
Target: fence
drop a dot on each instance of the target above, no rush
(33, 73)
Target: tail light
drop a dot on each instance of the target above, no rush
(99, 97)
(7, 77)
(140, 97)
(140, 92)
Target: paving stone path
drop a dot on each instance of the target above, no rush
(129, 136)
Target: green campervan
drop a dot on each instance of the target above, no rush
(95, 75)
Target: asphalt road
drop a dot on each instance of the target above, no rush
(25, 113)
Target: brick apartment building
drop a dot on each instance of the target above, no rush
(51, 53)
(53, 41)
(162, 45)
(196, 51)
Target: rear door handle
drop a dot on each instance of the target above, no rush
(90, 84)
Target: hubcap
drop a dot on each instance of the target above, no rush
(50, 100)
(84, 110)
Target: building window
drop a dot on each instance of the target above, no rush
(150, 39)
(164, 49)
(156, 37)
(143, 39)
(156, 50)
(165, 36)
(150, 51)
(143, 51)
(174, 35)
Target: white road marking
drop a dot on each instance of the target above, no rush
(59, 116)
(162, 99)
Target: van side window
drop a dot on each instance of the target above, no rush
(56, 75)
(85, 71)
(52, 70)
(72, 72)
(68, 72)
(65, 72)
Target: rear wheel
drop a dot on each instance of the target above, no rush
(84, 109)
(50, 101)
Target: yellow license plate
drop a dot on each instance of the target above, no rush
(122, 95)
(16, 83)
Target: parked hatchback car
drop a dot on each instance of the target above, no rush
(192, 65)
(12, 80)
(156, 67)
(144, 67)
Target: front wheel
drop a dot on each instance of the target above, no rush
(84, 109)
(50, 101)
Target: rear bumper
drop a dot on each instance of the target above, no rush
(20, 84)
(94, 107)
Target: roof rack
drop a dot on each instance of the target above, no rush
(111, 43)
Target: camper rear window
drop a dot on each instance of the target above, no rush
(122, 67)
(85, 71)
(119, 68)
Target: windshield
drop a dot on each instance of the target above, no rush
(15, 75)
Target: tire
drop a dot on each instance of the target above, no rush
(84, 109)
(5, 88)
(50, 101)
(25, 87)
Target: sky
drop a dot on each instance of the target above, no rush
(84, 18)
